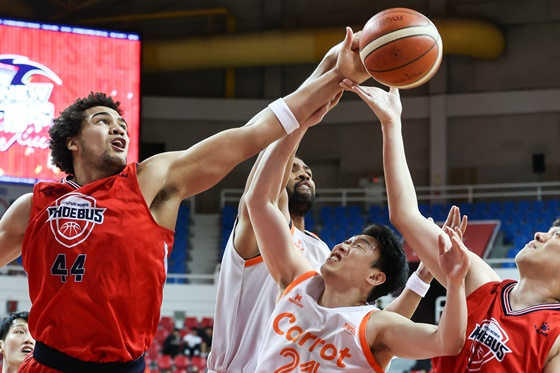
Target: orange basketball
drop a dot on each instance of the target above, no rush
(401, 48)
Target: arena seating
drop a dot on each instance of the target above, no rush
(159, 363)
(177, 261)
(520, 219)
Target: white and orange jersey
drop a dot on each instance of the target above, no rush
(302, 336)
(247, 295)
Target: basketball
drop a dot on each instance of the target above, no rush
(401, 48)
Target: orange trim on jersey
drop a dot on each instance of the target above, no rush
(365, 345)
(298, 281)
(253, 261)
(259, 259)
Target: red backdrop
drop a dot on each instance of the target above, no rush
(69, 62)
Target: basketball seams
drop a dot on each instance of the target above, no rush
(399, 34)
(430, 73)
(408, 62)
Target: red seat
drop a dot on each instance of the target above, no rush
(191, 322)
(161, 334)
(181, 362)
(200, 362)
(207, 321)
(153, 352)
(164, 362)
(167, 323)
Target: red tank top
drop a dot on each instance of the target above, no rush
(96, 262)
(500, 339)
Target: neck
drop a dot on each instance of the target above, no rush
(299, 221)
(85, 176)
(344, 296)
(9, 368)
(530, 292)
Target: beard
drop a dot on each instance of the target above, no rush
(111, 164)
(300, 203)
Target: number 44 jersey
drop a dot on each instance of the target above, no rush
(96, 265)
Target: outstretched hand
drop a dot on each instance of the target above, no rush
(387, 106)
(349, 63)
(454, 220)
(454, 263)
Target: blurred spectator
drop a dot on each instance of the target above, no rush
(206, 336)
(193, 343)
(172, 344)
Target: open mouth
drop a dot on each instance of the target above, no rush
(334, 257)
(119, 143)
(27, 350)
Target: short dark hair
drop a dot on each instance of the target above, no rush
(69, 124)
(7, 321)
(391, 261)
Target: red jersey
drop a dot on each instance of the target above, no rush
(96, 261)
(500, 339)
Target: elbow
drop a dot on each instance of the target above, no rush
(249, 200)
(455, 347)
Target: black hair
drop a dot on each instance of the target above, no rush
(69, 124)
(391, 261)
(7, 321)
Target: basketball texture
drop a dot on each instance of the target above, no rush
(401, 48)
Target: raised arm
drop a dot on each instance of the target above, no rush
(12, 228)
(244, 238)
(174, 176)
(393, 335)
(273, 234)
(420, 233)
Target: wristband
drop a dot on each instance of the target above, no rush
(416, 284)
(285, 116)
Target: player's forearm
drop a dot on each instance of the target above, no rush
(401, 195)
(403, 205)
(405, 304)
(453, 323)
(309, 98)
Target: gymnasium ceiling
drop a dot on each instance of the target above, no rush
(179, 21)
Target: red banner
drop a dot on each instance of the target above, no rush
(478, 238)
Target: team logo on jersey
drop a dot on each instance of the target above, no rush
(489, 342)
(543, 329)
(296, 300)
(349, 328)
(299, 244)
(73, 217)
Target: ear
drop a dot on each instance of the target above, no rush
(1, 347)
(376, 278)
(72, 143)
